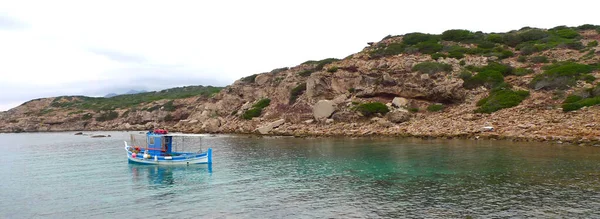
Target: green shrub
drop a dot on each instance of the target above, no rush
(487, 78)
(457, 35)
(572, 99)
(86, 116)
(561, 75)
(456, 55)
(583, 102)
(462, 62)
(318, 66)
(279, 70)
(566, 33)
(504, 69)
(505, 54)
(435, 107)
(486, 45)
(532, 35)
(539, 59)
(575, 45)
(370, 109)
(332, 69)
(432, 67)
(528, 50)
(413, 109)
(249, 79)
(110, 115)
(588, 27)
(501, 99)
(511, 40)
(251, 113)
(587, 78)
(593, 44)
(169, 107)
(429, 47)
(415, 38)
(437, 56)
(262, 103)
(390, 50)
(522, 71)
(522, 59)
(306, 73)
(496, 38)
(465, 75)
(296, 92)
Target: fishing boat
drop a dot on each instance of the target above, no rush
(161, 148)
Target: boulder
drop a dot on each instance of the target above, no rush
(323, 109)
(398, 116)
(211, 125)
(262, 79)
(265, 129)
(382, 122)
(400, 102)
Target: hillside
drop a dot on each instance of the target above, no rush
(528, 84)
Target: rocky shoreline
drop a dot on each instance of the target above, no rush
(392, 88)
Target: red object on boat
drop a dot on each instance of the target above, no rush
(160, 131)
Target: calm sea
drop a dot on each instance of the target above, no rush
(60, 175)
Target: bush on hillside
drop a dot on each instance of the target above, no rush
(532, 35)
(296, 92)
(528, 50)
(501, 99)
(251, 113)
(86, 116)
(457, 35)
(390, 50)
(249, 79)
(370, 109)
(567, 33)
(592, 43)
(262, 103)
(415, 38)
(496, 38)
(435, 107)
(429, 47)
(487, 78)
(522, 71)
(561, 75)
(539, 59)
(437, 56)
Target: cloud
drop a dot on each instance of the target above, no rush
(9, 23)
(118, 56)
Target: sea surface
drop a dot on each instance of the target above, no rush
(61, 175)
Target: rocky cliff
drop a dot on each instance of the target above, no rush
(530, 84)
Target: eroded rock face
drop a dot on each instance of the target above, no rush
(398, 116)
(323, 109)
(265, 129)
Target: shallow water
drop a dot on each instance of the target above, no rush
(59, 175)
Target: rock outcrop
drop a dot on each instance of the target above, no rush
(321, 98)
(323, 109)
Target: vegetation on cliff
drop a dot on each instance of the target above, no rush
(131, 100)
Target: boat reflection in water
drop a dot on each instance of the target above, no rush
(169, 175)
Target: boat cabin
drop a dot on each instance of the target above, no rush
(159, 143)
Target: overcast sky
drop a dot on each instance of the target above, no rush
(51, 48)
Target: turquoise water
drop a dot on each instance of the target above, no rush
(59, 175)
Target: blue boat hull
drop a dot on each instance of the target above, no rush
(179, 159)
